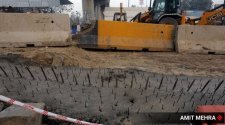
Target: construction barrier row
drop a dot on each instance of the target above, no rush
(30, 30)
(43, 112)
(35, 29)
(155, 37)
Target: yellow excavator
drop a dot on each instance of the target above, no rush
(170, 12)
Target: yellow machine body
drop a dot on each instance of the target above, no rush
(135, 36)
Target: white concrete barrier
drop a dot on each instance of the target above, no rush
(201, 39)
(22, 29)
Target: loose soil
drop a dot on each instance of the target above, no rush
(158, 62)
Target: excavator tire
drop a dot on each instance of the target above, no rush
(109, 96)
(168, 21)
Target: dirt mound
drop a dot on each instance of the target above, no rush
(165, 63)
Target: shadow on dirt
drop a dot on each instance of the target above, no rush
(16, 59)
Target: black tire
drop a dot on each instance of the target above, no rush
(168, 21)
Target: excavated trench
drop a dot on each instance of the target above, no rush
(107, 96)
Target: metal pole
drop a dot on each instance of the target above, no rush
(121, 11)
(29, 3)
(128, 3)
(150, 3)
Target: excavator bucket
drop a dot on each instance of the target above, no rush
(129, 36)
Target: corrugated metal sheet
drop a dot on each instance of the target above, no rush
(30, 3)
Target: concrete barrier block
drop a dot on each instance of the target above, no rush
(201, 39)
(129, 36)
(22, 30)
(15, 115)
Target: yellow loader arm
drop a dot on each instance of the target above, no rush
(213, 18)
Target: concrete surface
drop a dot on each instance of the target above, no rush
(21, 30)
(201, 39)
(109, 96)
(93, 9)
(15, 115)
(131, 12)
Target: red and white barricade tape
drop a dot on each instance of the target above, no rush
(43, 112)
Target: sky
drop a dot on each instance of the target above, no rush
(116, 3)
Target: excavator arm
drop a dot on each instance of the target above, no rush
(145, 17)
(213, 17)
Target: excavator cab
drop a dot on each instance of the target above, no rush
(166, 12)
(163, 12)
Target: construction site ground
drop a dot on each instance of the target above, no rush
(111, 87)
(157, 62)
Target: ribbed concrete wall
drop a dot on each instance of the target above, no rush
(20, 30)
(109, 96)
(201, 39)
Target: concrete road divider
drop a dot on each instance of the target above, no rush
(201, 39)
(129, 36)
(22, 30)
